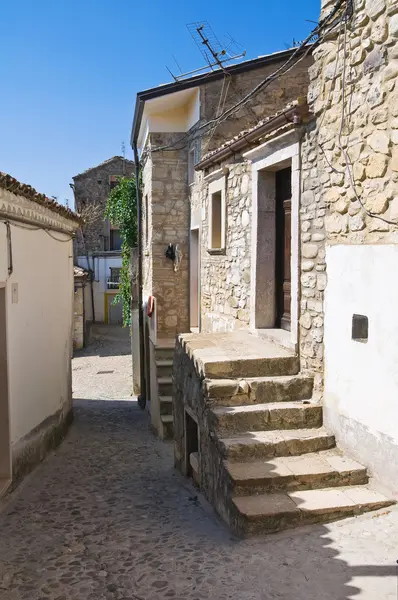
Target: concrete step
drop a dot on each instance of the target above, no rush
(261, 417)
(165, 386)
(328, 468)
(167, 432)
(165, 352)
(166, 405)
(268, 513)
(164, 368)
(232, 392)
(253, 445)
(283, 364)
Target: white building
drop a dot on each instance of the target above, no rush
(36, 307)
(105, 267)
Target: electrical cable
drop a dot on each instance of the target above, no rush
(347, 158)
(178, 145)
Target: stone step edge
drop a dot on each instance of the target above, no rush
(240, 482)
(166, 399)
(351, 499)
(167, 418)
(164, 362)
(250, 439)
(237, 368)
(222, 411)
(223, 388)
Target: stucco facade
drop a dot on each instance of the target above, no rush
(37, 289)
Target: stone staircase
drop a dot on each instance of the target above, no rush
(274, 464)
(164, 369)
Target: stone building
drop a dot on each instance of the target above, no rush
(297, 240)
(36, 321)
(99, 249)
(169, 117)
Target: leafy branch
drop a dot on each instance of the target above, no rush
(121, 210)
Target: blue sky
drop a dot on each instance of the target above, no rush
(70, 70)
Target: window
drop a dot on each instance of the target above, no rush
(113, 181)
(115, 240)
(114, 279)
(216, 222)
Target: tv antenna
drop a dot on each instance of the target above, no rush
(215, 55)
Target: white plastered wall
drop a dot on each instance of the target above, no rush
(361, 379)
(39, 324)
(266, 159)
(102, 266)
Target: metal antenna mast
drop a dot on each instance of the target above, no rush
(212, 51)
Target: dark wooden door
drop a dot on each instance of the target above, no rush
(283, 197)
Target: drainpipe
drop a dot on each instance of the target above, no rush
(142, 397)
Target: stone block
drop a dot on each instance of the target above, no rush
(310, 250)
(379, 31)
(377, 204)
(393, 26)
(377, 166)
(379, 141)
(374, 8)
(357, 223)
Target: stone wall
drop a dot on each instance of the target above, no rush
(350, 153)
(166, 188)
(272, 98)
(225, 277)
(92, 188)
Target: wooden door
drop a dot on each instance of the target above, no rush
(283, 197)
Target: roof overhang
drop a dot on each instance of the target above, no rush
(187, 84)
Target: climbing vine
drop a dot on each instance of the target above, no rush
(121, 210)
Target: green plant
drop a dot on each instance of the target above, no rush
(121, 210)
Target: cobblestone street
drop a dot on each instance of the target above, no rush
(106, 517)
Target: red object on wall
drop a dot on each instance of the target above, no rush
(150, 306)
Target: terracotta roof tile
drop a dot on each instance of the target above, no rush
(245, 132)
(79, 271)
(22, 189)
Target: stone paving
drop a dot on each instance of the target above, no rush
(106, 517)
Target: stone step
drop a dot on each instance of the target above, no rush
(284, 364)
(164, 368)
(268, 513)
(164, 352)
(261, 417)
(165, 386)
(166, 405)
(253, 445)
(328, 468)
(233, 392)
(167, 427)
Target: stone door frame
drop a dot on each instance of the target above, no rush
(267, 158)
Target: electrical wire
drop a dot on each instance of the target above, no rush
(346, 155)
(37, 228)
(268, 80)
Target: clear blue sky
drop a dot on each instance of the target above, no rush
(70, 70)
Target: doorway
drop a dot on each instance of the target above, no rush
(283, 221)
(194, 280)
(5, 442)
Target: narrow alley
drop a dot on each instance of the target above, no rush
(106, 517)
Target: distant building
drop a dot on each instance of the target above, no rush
(36, 299)
(99, 250)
